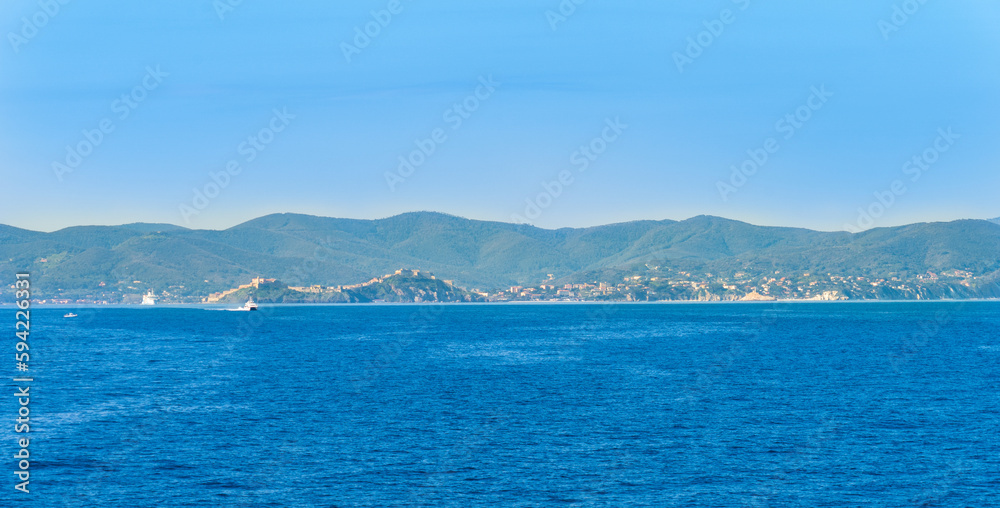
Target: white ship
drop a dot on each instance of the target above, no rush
(149, 298)
(250, 305)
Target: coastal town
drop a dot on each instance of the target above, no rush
(653, 283)
(666, 284)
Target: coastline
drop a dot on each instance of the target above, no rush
(213, 306)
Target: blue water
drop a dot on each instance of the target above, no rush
(813, 405)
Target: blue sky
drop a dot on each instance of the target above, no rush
(209, 78)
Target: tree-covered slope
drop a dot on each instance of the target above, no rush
(304, 250)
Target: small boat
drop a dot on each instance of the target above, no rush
(250, 305)
(70, 314)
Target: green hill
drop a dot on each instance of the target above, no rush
(303, 250)
(403, 286)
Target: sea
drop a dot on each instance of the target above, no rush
(825, 404)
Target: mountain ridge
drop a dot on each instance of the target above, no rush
(165, 226)
(305, 249)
